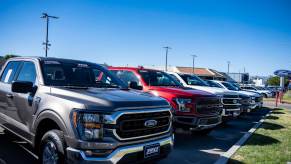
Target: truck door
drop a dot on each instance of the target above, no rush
(24, 101)
(7, 105)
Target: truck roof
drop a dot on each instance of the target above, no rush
(52, 59)
(133, 68)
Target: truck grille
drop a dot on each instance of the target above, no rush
(231, 101)
(208, 106)
(131, 126)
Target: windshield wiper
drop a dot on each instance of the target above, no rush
(105, 85)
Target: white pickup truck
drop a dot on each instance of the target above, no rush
(229, 99)
(256, 98)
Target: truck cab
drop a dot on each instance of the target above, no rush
(192, 109)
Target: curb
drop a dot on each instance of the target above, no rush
(223, 159)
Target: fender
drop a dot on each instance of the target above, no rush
(49, 114)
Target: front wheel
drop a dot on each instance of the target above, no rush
(52, 148)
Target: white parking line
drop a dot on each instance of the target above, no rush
(225, 156)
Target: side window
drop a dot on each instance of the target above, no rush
(174, 77)
(10, 71)
(126, 76)
(27, 72)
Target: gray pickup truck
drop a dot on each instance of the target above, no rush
(78, 112)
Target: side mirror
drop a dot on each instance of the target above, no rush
(22, 87)
(134, 85)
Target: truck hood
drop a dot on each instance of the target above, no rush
(180, 91)
(249, 93)
(109, 99)
(213, 90)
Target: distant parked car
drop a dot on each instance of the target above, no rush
(266, 93)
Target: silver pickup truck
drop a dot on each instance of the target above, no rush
(78, 112)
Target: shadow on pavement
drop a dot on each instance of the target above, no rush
(233, 161)
(13, 150)
(258, 139)
(278, 113)
(272, 117)
(275, 109)
(271, 126)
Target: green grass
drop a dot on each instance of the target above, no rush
(271, 143)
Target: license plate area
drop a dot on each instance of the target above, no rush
(151, 150)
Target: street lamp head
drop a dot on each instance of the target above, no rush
(167, 47)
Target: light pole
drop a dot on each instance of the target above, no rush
(193, 66)
(46, 43)
(167, 49)
(228, 63)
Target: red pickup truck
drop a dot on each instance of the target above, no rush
(192, 109)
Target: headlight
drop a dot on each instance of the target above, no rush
(184, 105)
(88, 125)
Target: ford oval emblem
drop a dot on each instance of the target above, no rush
(150, 123)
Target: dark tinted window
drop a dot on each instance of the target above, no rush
(58, 73)
(10, 71)
(193, 80)
(230, 86)
(126, 76)
(174, 77)
(158, 78)
(214, 84)
(27, 72)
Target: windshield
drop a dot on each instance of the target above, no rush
(193, 80)
(214, 84)
(158, 78)
(230, 86)
(71, 74)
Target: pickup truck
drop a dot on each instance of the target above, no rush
(69, 114)
(256, 98)
(265, 92)
(230, 100)
(193, 110)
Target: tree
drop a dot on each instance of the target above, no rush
(8, 56)
(275, 80)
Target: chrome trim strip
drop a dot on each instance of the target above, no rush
(120, 152)
(232, 110)
(111, 119)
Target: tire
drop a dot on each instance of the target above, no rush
(265, 95)
(52, 148)
(202, 132)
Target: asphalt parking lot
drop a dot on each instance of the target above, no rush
(188, 149)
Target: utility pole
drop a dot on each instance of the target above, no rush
(47, 17)
(193, 66)
(228, 63)
(167, 49)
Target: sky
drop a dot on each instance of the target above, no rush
(251, 34)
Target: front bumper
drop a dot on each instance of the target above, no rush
(126, 154)
(247, 108)
(197, 123)
(231, 112)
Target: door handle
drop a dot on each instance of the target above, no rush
(9, 95)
